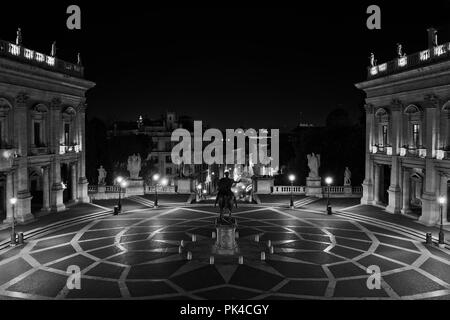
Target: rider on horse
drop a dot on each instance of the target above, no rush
(224, 186)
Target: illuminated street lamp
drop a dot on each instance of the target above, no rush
(292, 179)
(13, 202)
(442, 202)
(156, 179)
(329, 181)
(119, 181)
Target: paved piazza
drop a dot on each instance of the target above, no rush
(136, 255)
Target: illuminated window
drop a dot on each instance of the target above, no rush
(66, 134)
(416, 135)
(385, 135)
(402, 62)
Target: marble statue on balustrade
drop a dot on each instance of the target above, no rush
(101, 176)
(135, 183)
(134, 166)
(347, 177)
(314, 181)
(314, 165)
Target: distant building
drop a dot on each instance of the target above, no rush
(42, 133)
(407, 135)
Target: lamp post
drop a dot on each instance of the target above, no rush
(156, 178)
(442, 202)
(292, 179)
(199, 192)
(13, 202)
(120, 181)
(328, 181)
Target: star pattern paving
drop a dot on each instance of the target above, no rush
(136, 256)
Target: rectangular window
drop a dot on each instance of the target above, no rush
(168, 170)
(416, 135)
(385, 136)
(66, 134)
(168, 159)
(37, 134)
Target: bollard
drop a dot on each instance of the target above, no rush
(272, 250)
(329, 212)
(13, 239)
(116, 210)
(257, 238)
(241, 260)
(180, 249)
(237, 234)
(189, 256)
(182, 243)
(263, 256)
(213, 235)
(20, 237)
(211, 260)
(269, 243)
(429, 238)
(194, 238)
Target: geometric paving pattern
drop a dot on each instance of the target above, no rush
(135, 256)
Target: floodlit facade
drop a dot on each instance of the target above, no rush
(42, 133)
(407, 134)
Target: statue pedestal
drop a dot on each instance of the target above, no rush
(135, 187)
(348, 190)
(314, 187)
(184, 186)
(226, 238)
(264, 185)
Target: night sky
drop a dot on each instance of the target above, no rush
(235, 66)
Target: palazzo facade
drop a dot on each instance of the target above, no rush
(407, 133)
(42, 133)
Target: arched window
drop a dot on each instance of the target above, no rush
(39, 126)
(5, 108)
(414, 127)
(383, 133)
(68, 126)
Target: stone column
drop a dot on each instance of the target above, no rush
(394, 191)
(82, 182)
(57, 201)
(377, 184)
(368, 188)
(23, 206)
(73, 181)
(430, 208)
(9, 195)
(46, 190)
(406, 191)
(55, 127)
(443, 192)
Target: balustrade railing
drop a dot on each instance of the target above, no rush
(411, 61)
(35, 58)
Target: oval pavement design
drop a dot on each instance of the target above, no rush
(136, 256)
